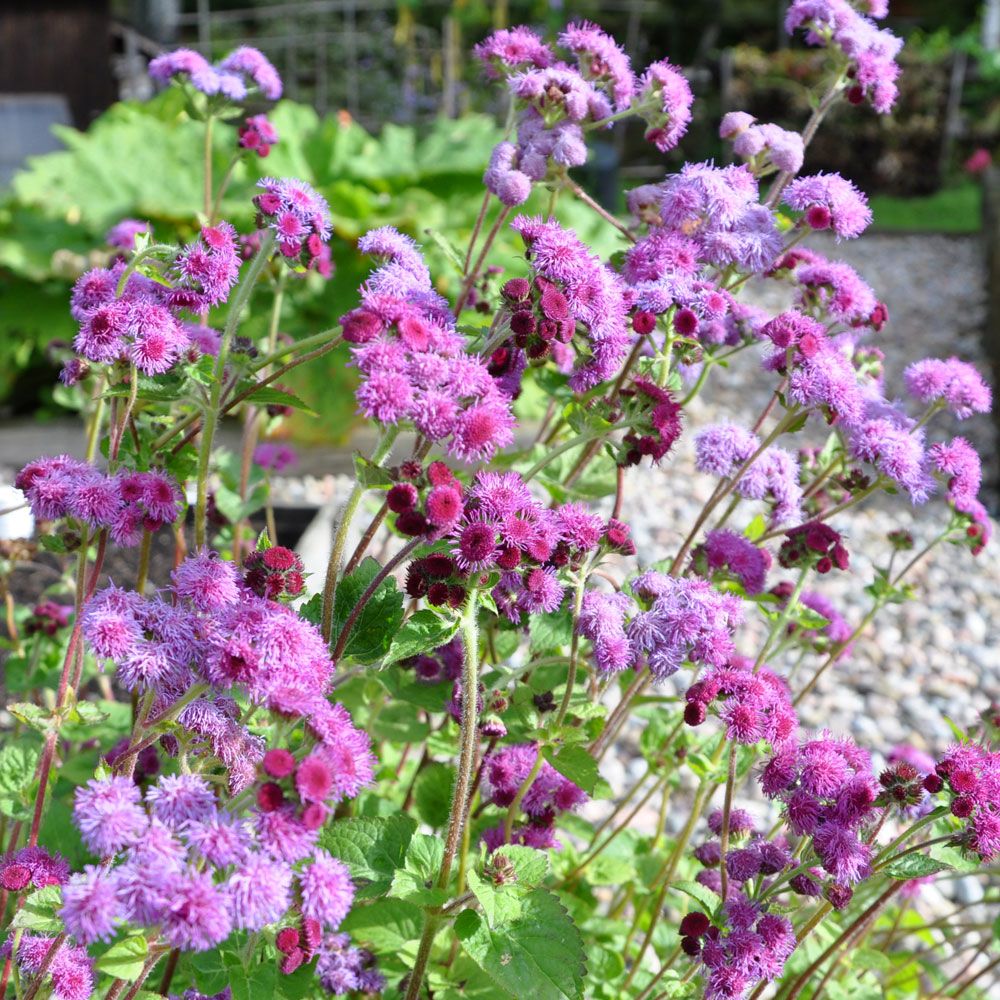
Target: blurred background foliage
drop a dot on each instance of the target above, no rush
(389, 119)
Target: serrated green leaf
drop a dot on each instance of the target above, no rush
(39, 911)
(17, 774)
(125, 958)
(89, 714)
(915, 865)
(539, 955)
(422, 632)
(500, 903)
(871, 958)
(415, 881)
(550, 631)
(531, 866)
(699, 893)
(32, 715)
(377, 624)
(371, 847)
(575, 763)
(386, 924)
(370, 475)
(268, 395)
(756, 528)
(432, 794)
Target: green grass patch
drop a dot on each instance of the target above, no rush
(951, 210)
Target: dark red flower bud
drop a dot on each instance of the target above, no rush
(643, 322)
(287, 940)
(269, 797)
(694, 924)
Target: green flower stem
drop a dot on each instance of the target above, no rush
(727, 811)
(213, 409)
(379, 455)
(470, 710)
(213, 215)
(927, 820)
(781, 621)
(574, 645)
(569, 445)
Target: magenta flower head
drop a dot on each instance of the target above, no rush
(108, 814)
(90, 905)
(327, 890)
(253, 66)
(274, 456)
(299, 217)
(830, 202)
(187, 64)
(601, 60)
(208, 581)
(955, 384)
(664, 101)
(207, 269)
(512, 49)
(258, 135)
(259, 892)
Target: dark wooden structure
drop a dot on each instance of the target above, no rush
(58, 47)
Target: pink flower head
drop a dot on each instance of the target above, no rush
(836, 202)
(327, 890)
(664, 101)
(274, 456)
(250, 63)
(600, 59)
(298, 215)
(512, 49)
(258, 135)
(108, 814)
(122, 234)
(956, 383)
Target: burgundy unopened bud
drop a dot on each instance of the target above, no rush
(411, 470)
(287, 940)
(933, 784)
(554, 304)
(269, 797)
(879, 317)
(818, 217)
(15, 877)
(690, 946)
(312, 932)
(685, 322)
(401, 497)
(278, 763)
(292, 961)
(314, 816)
(839, 896)
(545, 701)
(643, 322)
(437, 594)
(437, 566)
(694, 924)
(412, 523)
(963, 807)
(538, 350)
(438, 474)
(515, 289)
(855, 95)
(694, 713)
(456, 595)
(906, 772)
(509, 558)
(523, 322)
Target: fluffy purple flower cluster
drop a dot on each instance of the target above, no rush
(236, 77)
(687, 620)
(504, 772)
(342, 968)
(257, 134)
(412, 360)
(31, 867)
(589, 293)
(951, 383)
(196, 871)
(555, 99)
(870, 51)
(727, 552)
(125, 504)
(764, 146)
(829, 792)
(122, 234)
(971, 774)
(723, 449)
(830, 201)
(834, 289)
(71, 972)
(299, 217)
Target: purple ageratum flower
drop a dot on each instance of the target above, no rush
(178, 799)
(872, 51)
(559, 91)
(602, 621)
(299, 217)
(32, 866)
(837, 630)
(274, 456)
(258, 135)
(284, 836)
(186, 63)
(504, 771)
(259, 892)
(600, 59)
(729, 551)
(90, 905)
(122, 234)
(774, 145)
(108, 814)
(825, 378)
(222, 839)
(511, 185)
(208, 581)
(207, 269)
(512, 49)
(341, 968)
(720, 449)
(251, 63)
(892, 443)
(71, 973)
(837, 288)
(956, 383)
(958, 460)
(327, 890)
(664, 100)
(592, 291)
(402, 268)
(774, 477)
(197, 915)
(830, 202)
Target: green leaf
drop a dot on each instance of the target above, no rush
(269, 395)
(705, 897)
(32, 715)
(447, 248)
(755, 528)
(915, 865)
(370, 475)
(415, 880)
(531, 866)
(39, 911)
(575, 763)
(432, 794)
(538, 955)
(501, 903)
(871, 958)
(125, 958)
(550, 631)
(371, 847)
(89, 714)
(17, 774)
(379, 620)
(422, 632)
(262, 986)
(387, 924)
